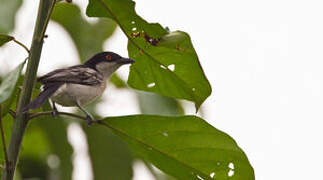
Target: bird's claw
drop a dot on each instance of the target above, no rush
(89, 120)
(54, 113)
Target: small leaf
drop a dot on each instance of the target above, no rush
(8, 84)
(166, 63)
(5, 38)
(185, 147)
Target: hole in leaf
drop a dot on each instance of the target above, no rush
(133, 22)
(199, 177)
(231, 173)
(134, 29)
(212, 174)
(231, 165)
(171, 67)
(193, 89)
(151, 85)
(162, 66)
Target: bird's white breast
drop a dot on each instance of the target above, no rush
(68, 94)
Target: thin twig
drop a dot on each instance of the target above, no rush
(46, 113)
(3, 141)
(22, 45)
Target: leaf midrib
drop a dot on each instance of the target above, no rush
(149, 146)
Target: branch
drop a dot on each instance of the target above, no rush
(46, 113)
(22, 45)
(3, 140)
(44, 11)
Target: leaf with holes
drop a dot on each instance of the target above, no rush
(5, 38)
(9, 83)
(166, 63)
(185, 147)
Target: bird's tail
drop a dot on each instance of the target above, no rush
(42, 97)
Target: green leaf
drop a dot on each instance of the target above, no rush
(166, 63)
(5, 38)
(159, 105)
(8, 10)
(12, 102)
(185, 147)
(9, 83)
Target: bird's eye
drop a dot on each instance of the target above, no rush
(108, 57)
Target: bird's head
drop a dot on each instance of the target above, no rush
(107, 62)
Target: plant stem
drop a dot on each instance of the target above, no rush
(45, 113)
(20, 124)
(3, 140)
(22, 45)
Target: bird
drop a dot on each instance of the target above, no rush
(78, 85)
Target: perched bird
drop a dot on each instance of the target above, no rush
(78, 85)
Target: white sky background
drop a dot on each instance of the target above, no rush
(263, 60)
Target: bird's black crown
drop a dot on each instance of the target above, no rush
(102, 57)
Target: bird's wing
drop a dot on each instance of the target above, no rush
(75, 74)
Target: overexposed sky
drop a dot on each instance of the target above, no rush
(263, 60)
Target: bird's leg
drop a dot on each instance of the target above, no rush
(89, 118)
(54, 112)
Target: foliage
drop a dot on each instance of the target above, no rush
(164, 60)
(167, 67)
(4, 39)
(8, 86)
(185, 146)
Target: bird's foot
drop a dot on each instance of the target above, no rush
(89, 120)
(54, 113)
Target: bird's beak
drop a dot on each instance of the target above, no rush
(125, 61)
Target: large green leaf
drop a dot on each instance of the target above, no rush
(166, 63)
(185, 147)
(8, 10)
(9, 83)
(5, 38)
